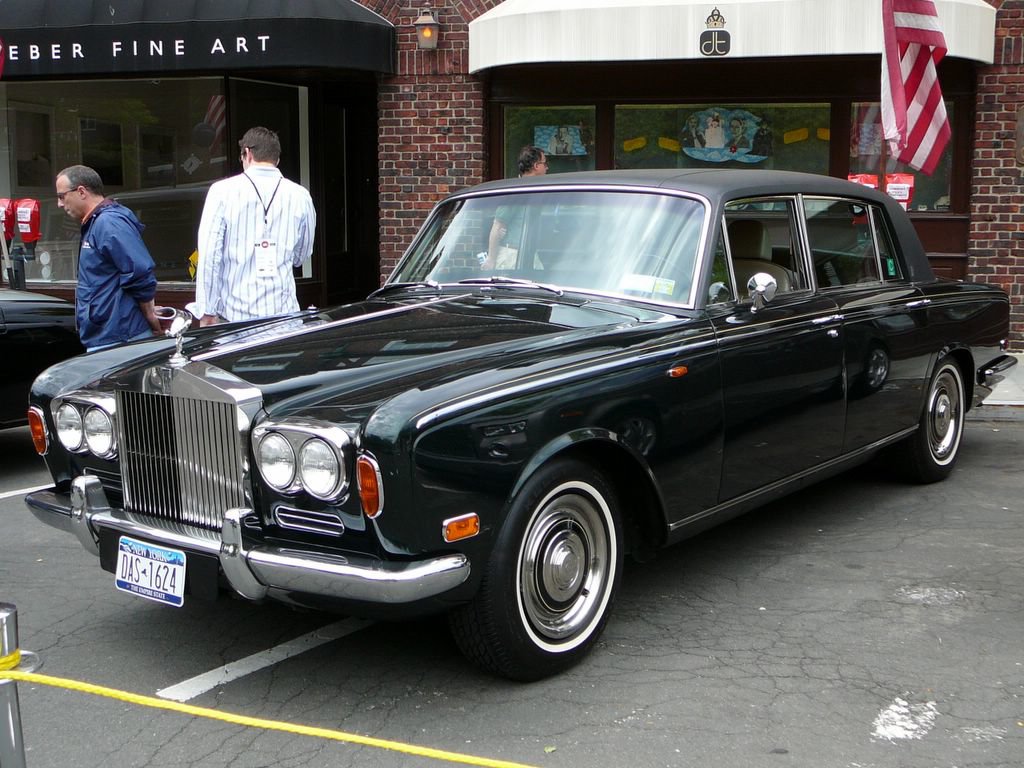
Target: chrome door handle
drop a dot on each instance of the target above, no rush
(918, 303)
(827, 319)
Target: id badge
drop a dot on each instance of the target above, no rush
(266, 258)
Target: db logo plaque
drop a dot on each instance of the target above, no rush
(714, 42)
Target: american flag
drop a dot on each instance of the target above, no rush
(913, 114)
(216, 118)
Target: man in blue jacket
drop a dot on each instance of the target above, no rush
(116, 278)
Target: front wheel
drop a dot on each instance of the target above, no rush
(548, 587)
(931, 452)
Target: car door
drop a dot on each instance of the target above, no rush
(782, 363)
(886, 340)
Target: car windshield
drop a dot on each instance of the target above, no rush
(637, 244)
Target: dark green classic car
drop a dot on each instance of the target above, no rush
(562, 371)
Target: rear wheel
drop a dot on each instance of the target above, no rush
(931, 453)
(548, 587)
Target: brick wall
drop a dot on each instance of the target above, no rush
(997, 173)
(431, 117)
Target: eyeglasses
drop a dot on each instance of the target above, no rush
(62, 195)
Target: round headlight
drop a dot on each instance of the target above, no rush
(319, 469)
(277, 461)
(99, 431)
(69, 427)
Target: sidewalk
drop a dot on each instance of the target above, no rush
(1007, 399)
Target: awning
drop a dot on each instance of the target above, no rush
(47, 38)
(530, 31)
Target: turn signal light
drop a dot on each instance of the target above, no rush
(37, 428)
(371, 488)
(677, 371)
(462, 527)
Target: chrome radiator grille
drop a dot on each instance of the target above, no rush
(180, 458)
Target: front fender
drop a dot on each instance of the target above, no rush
(642, 503)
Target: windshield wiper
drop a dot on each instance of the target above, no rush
(402, 286)
(510, 282)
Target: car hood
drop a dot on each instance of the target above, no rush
(339, 364)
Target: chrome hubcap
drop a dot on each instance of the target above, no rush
(565, 566)
(945, 414)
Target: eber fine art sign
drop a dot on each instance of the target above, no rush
(191, 46)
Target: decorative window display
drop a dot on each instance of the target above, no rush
(566, 134)
(782, 136)
(559, 139)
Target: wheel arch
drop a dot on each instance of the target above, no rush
(642, 506)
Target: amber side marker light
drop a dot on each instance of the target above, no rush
(37, 428)
(371, 494)
(462, 527)
(678, 371)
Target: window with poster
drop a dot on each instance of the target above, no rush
(565, 133)
(792, 137)
(872, 164)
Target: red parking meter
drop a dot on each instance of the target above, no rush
(28, 224)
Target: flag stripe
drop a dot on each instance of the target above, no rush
(914, 117)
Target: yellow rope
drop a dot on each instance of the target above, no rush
(255, 722)
(11, 660)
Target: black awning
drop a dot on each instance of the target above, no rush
(65, 38)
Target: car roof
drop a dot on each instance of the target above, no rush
(713, 183)
(721, 185)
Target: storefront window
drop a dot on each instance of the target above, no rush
(872, 164)
(566, 134)
(157, 145)
(792, 137)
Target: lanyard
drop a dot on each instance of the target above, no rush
(266, 206)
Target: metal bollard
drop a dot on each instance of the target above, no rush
(12, 746)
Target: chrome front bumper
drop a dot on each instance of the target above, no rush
(255, 572)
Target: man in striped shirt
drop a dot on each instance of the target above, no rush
(255, 228)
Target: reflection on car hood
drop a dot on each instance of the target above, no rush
(358, 354)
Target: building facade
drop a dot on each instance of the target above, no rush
(379, 128)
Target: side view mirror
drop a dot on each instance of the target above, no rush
(761, 288)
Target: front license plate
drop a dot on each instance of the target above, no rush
(155, 573)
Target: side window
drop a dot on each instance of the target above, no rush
(886, 253)
(761, 236)
(842, 244)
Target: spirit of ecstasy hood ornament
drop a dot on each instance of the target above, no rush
(175, 323)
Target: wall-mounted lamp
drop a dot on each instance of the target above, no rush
(426, 30)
